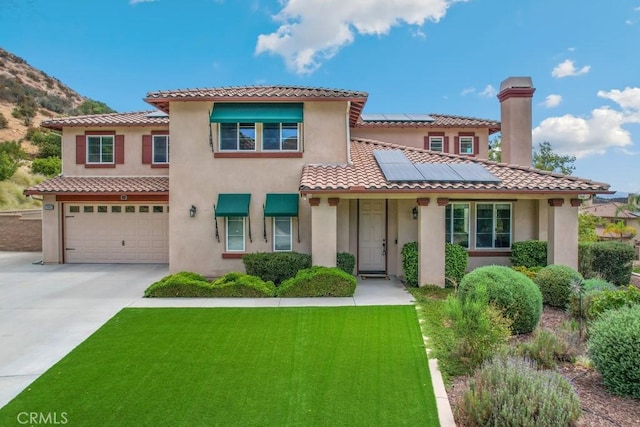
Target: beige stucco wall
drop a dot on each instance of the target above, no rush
(52, 231)
(414, 137)
(562, 245)
(132, 166)
(197, 177)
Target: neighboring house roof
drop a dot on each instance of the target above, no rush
(161, 99)
(609, 210)
(101, 185)
(439, 121)
(364, 174)
(138, 118)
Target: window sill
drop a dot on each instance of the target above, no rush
(258, 155)
(99, 165)
(232, 255)
(159, 165)
(489, 252)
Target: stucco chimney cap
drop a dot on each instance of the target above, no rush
(516, 82)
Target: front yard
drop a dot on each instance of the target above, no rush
(239, 366)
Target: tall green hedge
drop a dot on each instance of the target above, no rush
(275, 266)
(318, 282)
(456, 258)
(613, 261)
(345, 262)
(529, 253)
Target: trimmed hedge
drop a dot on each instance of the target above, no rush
(192, 285)
(241, 285)
(318, 282)
(585, 260)
(514, 293)
(183, 284)
(613, 261)
(346, 262)
(456, 258)
(275, 267)
(410, 262)
(615, 351)
(555, 283)
(529, 253)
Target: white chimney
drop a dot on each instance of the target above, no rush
(515, 111)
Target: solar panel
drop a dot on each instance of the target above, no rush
(401, 117)
(390, 156)
(373, 117)
(420, 117)
(438, 172)
(157, 114)
(401, 172)
(474, 172)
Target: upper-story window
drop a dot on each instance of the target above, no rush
(237, 136)
(436, 143)
(280, 136)
(466, 145)
(160, 149)
(100, 149)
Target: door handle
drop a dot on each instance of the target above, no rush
(384, 246)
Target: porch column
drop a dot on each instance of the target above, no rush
(324, 231)
(543, 220)
(563, 232)
(431, 239)
(52, 219)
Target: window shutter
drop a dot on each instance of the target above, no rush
(146, 149)
(445, 145)
(119, 149)
(476, 145)
(426, 142)
(81, 149)
(456, 144)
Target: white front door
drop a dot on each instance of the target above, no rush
(372, 252)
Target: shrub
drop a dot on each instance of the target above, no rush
(187, 284)
(183, 284)
(318, 282)
(585, 260)
(611, 300)
(515, 294)
(613, 261)
(410, 262)
(275, 266)
(346, 262)
(547, 349)
(455, 264)
(51, 166)
(615, 351)
(511, 392)
(241, 285)
(555, 282)
(529, 253)
(531, 273)
(476, 330)
(580, 301)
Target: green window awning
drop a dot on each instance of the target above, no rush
(264, 112)
(232, 205)
(281, 205)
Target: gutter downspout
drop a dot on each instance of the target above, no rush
(348, 133)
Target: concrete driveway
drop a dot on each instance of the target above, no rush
(47, 310)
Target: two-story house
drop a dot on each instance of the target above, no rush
(217, 173)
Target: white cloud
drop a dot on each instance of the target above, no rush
(552, 100)
(582, 137)
(488, 91)
(568, 68)
(312, 31)
(467, 91)
(141, 1)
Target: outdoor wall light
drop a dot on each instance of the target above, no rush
(192, 211)
(414, 212)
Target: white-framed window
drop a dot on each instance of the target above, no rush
(493, 225)
(237, 136)
(160, 147)
(280, 136)
(235, 234)
(100, 149)
(457, 221)
(436, 143)
(282, 234)
(466, 144)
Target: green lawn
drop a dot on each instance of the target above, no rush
(242, 366)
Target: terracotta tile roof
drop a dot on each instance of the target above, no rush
(608, 210)
(364, 174)
(161, 99)
(101, 185)
(440, 121)
(138, 118)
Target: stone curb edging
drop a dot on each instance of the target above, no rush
(445, 414)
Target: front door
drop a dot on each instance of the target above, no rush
(372, 253)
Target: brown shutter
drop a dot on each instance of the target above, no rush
(456, 145)
(445, 145)
(146, 149)
(119, 149)
(81, 149)
(476, 145)
(426, 142)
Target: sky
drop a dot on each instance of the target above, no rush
(410, 56)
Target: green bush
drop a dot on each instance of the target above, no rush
(455, 264)
(531, 272)
(51, 166)
(192, 285)
(529, 253)
(346, 262)
(555, 283)
(475, 331)
(241, 285)
(318, 282)
(611, 300)
(585, 260)
(613, 261)
(547, 349)
(275, 267)
(515, 294)
(410, 262)
(614, 348)
(580, 301)
(183, 284)
(512, 392)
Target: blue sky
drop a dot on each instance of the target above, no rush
(411, 56)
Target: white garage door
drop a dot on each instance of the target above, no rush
(122, 233)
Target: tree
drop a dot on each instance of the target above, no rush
(91, 106)
(49, 143)
(11, 157)
(620, 229)
(547, 160)
(49, 167)
(587, 227)
(495, 149)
